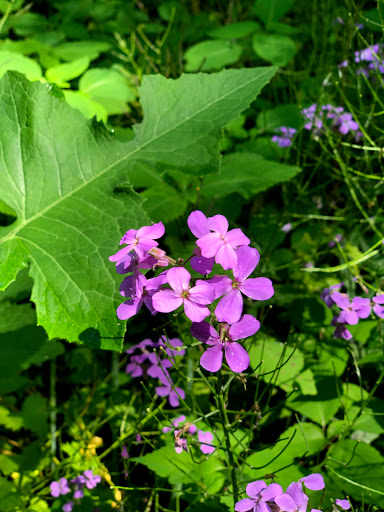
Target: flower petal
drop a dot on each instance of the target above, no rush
(221, 285)
(202, 294)
(230, 307)
(259, 288)
(129, 308)
(165, 301)
(195, 312)
(204, 332)
(254, 488)
(286, 503)
(121, 254)
(237, 357)
(247, 326)
(209, 244)
(315, 482)
(154, 231)
(162, 390)
(202, 265)
(226, 257)
(218, 223)
(271, 492)
(236, 237)
(247, 260)
(196, 223)
(178, 278)
(244, 505)
(344, 504)
(212, 358)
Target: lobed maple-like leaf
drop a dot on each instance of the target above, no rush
(59, 173)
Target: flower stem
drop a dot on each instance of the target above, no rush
(225, 424)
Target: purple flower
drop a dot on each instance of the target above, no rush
(378, 308)
(206, 437)
(124, 452)
(68, 506)
(180, 444)
(230, 307)
(341, 331)
(194, 299)
(337, 238)
(369, 54)
(347, 124)
(91, 480)
(362, 306)
(260, 493)
(78, 494)
(221, 243)
(196, 223)
(174, 342)
(144, 295)
(294, 499)
(134, 262)
(172, 392)
(343, 64)
(326, 294)
(237, 357)
(286, 228)
(175, 422)
(344, 504)
(59, 488)
(134, 368)
(285, 139)
(140, 240)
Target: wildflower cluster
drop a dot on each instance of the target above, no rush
(272, 498)
(350, 310)
(318, 119)
(76, 486)
(205, 438)
(142, 359)
(284, 136)
(371, 60)
(175, 287)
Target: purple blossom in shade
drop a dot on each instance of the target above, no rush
(237, 357)
(347, 124)
(134, 262)
(173, 393)
(134, 368)
(369, 54)
(68, 506)
(206, 437)
(91, 480)
(175, 422)
(286, 228)
(174, 342)
(180, 444)
(230, 307)
(140, 240)
(138, 438)
(133, 305)
(309, 264)
(259, 494)
(344, 504)
(124, 452)
(221, 243)
(341, 331)
(337, 238)
(78, 494)
(59, 488)
(378, 307)
(194, 299)
(285, 138)
(312, 116)
(196, 223)
(326, 294)
(362, 306)
(343, 64)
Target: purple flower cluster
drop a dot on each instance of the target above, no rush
(205, 437)
(142, 359)
(331, 117)
(175, 287)
(272, 498)
(284, 137)
(371, 60)
(350, 310)
(61, 487)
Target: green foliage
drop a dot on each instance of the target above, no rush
(274, 48)
(212, 55)
(12, 61)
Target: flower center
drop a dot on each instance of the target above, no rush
(185, 294)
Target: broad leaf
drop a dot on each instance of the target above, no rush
(247, 174)
(234, 30)
(17, 62)
(274, 48)
(59, 174)
(212, 55)
(63, 72)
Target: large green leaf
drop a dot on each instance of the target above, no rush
(247, 174)
(59, 174)
(212, 55)
(274, 48)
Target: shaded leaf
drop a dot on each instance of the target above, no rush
(212, 55)
(274, 48)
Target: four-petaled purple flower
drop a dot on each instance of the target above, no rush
(237, 357)
(140, 240)
(259, 494)
(221, 243)
(378, 307)
(204, 438)
(196, 223)
(59, 488)
(194, 299)
(294, 499)
(230, 307)
(91, 480)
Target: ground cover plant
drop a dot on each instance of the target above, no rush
(191, 249)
